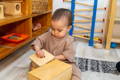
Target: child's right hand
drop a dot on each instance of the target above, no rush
(40, 54)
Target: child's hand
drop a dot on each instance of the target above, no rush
(40, 54)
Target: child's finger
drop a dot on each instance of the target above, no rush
(40, 54)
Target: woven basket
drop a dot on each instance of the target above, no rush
(39, 6)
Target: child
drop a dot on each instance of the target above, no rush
(118, 66)
(57, 42)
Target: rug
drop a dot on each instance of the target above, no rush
(96, 65)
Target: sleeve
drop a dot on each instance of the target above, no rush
(69, 51)
(39, 41)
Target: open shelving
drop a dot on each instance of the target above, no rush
(23, 24)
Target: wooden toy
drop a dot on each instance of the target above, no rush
(82, 26)
(1, 12)
(39, 6)
(84, 4)
(86, 31)
(36, 27)
(54, 70)
(87, 21)
(12, 8)
(79, 10)
(84, 16)
(15, 37)
(33, 66)
(41, 61)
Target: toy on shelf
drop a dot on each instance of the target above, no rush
(12, 7)
(36, 27)
(15, 37)
(114, 45)
(39, 6)
(1, 12)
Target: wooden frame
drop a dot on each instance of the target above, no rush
(78, 10)
(84, 4)
(86, 31)
(82, 26)
(86, 21)
(110, 23)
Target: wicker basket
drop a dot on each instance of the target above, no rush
(39, 6)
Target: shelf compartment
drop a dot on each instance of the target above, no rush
(41, 31)
(44, 20)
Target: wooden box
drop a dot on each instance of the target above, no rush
(1, 12)
(12, 8)
(55, 70)
(39, 6)
(33, 66)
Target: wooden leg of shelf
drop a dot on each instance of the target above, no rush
(110, 23)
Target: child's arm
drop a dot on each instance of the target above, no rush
(60, 57)
(69, 51)
(38, 43)
(35, 48)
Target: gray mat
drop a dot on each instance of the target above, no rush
(96, 65)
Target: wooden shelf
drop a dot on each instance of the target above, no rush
(46, 12)
(12, 19)
(116, 40)
(7, 48)
(23, 24)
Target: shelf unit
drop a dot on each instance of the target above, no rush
(23, 24)
(112, 25)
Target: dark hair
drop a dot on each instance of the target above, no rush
(118, 66)
(62, 12)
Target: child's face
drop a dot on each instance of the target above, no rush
(59, 27)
